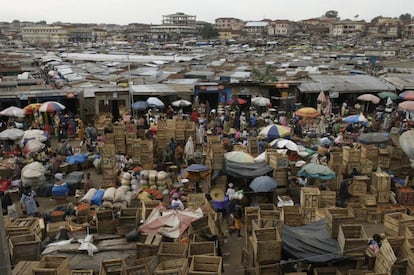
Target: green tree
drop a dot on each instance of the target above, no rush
(209, 31)
(405, 16)
(331, 14)
(376, 19)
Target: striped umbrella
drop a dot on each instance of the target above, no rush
(407, 95)
(32, 108)
(406, 106)
(275, 131)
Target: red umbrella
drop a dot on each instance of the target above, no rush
(238, 100)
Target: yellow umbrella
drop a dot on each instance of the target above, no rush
(307, 112)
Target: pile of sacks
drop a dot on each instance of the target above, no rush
(155, 180)
(114, 198)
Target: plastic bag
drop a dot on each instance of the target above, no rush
(12, 212)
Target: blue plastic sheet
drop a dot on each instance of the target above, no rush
(77, 159)
(97, 198)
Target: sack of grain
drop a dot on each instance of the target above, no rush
(162, 175)
(88, 196)
(109, 194)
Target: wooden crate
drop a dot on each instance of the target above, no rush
(203, 223)
(270, 218)
(267, 206)
(309, 197)
(144, 250)
(326, 270)
(269, 269)
(292, 215)
(172, 267)
(147, 208)
(369, 152)
(381, 181)
(348, 167)
(267, 245)
(204, 265)
(24, 248)
(369, 200)
(336, 217)
(327, 198)
(277, 161)
(351, 154)
(308, 215)
(374, 217)
(385, 258)
(82, 272)
(366, 166)
(202, 248)
(195, 200)
(25, 226)
(105, 227)
(170, 251)
(383, 159)
(381, 196)
(24, 267)
(141, 266)
(395, 223)
(52, 265)
(357, 189)
(360, 212)
(53, 228)
(352, 239)
(111, 267)
(405, 195)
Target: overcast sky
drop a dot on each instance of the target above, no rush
(151, 11)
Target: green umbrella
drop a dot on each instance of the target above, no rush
(390, 95)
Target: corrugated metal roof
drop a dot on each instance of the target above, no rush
(161, 89)
(401, 81)
(345, 84)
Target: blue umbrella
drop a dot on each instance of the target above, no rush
(325, 141)
(197, 168)
(140, 106)
(317, 171)
(374, 138)
(263, 184)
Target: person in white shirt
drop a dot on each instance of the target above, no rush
(302, 181)
(230, 191)
(176, 203)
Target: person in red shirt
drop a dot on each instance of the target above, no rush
(194, 115)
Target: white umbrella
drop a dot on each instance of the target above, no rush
(284, 143)
(155, 102)
(13, 111)
(181, 103)
(260, 101)
(33, 146)
(11, 134)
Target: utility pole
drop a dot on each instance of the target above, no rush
(130, 92)
(5, 265)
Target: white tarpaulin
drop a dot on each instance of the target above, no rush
(169, 223)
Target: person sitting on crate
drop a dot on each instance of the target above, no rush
(236, 218)
(176, 203)
(375, 243)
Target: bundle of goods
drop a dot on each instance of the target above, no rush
(87, 198)
(97, 197)
(33, 174)
(126, 179)
(117, 198)
(154, 180)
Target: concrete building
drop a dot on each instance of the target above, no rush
(386, 27)
(175, 25)
(45, 34)
(256, 28)
(408, 31)
(347, 28)
(281, 28)
(229, 23)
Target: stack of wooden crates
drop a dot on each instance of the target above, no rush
(162, 136)
(119, 138)
(108, 164)
(280, 165)
(147, 153)
(215, 152)
(180, 126)
(350, 159)
(381, 186)
(309, 202)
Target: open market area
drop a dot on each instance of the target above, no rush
(255, 157)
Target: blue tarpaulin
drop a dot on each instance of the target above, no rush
(77, 158)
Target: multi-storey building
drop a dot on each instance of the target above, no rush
(281, 28)
(229, 23)
(385, 27)
(45, 34)
(175, 25)
(347, 28)
(256, 28)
